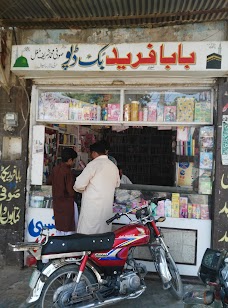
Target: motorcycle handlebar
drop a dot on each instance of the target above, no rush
(116, 216)
(156, 200)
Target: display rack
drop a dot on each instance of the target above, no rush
(48, 143)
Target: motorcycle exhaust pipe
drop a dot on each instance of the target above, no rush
(199, 297)
(115, 299)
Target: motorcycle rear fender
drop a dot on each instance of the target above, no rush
(49, 269)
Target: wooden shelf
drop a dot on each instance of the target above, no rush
(124, 123)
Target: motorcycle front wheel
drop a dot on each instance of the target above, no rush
(176, 288)
(61, 277)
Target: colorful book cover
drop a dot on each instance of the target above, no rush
(175, 205)
(203, 112)
(152, 112)
(113, 112)
(207, 137)
(204, 211)
(185, 109)
(168, 208)
(183, 207)
(170, 113)
(205, 185)
(161, 208)
(61, 111)
(206, 160)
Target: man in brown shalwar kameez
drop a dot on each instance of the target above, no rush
(62, 181)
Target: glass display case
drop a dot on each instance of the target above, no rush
(133, 107)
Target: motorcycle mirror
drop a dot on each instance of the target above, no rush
(161, 219)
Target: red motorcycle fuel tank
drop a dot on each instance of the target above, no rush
(125, 238)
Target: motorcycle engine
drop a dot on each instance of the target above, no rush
(129, 282)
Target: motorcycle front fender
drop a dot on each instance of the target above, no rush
(48, 270)
(162, 265)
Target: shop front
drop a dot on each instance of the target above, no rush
(155, 104)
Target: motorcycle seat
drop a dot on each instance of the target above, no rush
(78, 242)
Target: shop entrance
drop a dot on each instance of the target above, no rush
(145, 154)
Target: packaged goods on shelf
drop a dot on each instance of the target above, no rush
(168, 208)
(204, 211)
(113, 112)
(161, 208)
(183, 207)
(127, 112)
(189, 210)
(196, 211)
(185, 174)
(152, 112)
(134, 111)
(175, 205)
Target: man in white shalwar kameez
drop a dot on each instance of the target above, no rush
(97, 183)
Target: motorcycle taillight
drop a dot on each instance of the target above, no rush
(30, 261)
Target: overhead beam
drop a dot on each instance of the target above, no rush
(18, 21)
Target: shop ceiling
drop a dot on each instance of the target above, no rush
(81, 14)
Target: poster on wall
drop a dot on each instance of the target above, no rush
(224, 140)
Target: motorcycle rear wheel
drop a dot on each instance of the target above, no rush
(62, 276)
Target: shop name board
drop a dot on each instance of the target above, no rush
(170, 56)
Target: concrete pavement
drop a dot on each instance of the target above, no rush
(14, 290)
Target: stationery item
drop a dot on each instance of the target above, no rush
(170, 113)
(175, 205)
(161, 208)
(185, 109)
(204, 211)
(168, 208)
(206, 160)
(182, 133)
(183, 207)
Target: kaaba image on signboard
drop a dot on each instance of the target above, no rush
(214, 61)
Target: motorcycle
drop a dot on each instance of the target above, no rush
(213, 272)
(99, 269)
